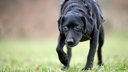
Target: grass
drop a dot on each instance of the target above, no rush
(34, 55)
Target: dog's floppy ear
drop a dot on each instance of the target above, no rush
(88, 24)
(60, 22)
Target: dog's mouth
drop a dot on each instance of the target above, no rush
(70, 45)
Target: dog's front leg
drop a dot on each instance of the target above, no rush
(61, 54)
(93, 44)
(69, 54)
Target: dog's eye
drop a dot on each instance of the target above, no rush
(77, 28)
(65, 29)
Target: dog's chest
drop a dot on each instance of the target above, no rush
(85, 38)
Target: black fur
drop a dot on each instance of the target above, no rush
(80, 20)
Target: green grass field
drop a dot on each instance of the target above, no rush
(25, 55)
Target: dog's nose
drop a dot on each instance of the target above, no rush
(70, 41)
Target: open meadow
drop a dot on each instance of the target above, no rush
(39, 55)
(29, 30)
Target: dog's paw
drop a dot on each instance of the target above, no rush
(87, 68)
(100, 64)
(65, 68)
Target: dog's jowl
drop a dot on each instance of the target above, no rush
(80, 20)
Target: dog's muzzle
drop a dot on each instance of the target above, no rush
(70, 42)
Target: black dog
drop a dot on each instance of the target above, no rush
(80, 20)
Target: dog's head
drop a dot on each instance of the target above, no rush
(73, 27)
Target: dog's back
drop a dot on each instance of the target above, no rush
(71, 4)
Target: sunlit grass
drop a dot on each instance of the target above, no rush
(36, 55)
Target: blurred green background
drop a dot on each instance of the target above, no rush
(28, 37)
